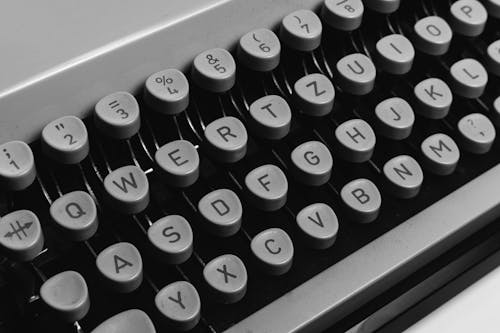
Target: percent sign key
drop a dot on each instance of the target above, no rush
(167, 92)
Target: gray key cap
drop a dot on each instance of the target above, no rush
(214, 70)
(180, 304)
(117, 115)
(173, 238)
(314, 94)
(345, 15)
(271, 117)
(222, 212)
(66, 140)
(127, 189)
(75, 213)
(478, 133)
(493, 57)
(356, 74)
(469, 78)
(356, 140)
(395, 54)
(383, 6)
(227, 139)
(21, 235)
(129, 321)
(301, 30)
(496, 111)
(433, 35)
(441, 154)
(404, 176)
(362, 199)
(313, 163)
(267, 187)
(468, 17)
(493, 7)
(395, 118)
(179, 163)
(67, 294)
(260, 50)
(227, 277)
(167, 91)
(433, 97)
(319, 224)
(121, 265)
(17, 166)
(273, 249)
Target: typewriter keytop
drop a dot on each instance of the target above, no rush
(127, 189)
(227, 139)
(441, 154)
(267, 186)
(395, 54)
(314, 94)
(21, 235)
(271, 117)
(121, 266)
(363, 200)
(313, 163)
(468, 17)
(301, 30)
(319, 224)
(173, 237)
(117, 115)
(469, 78)
(433, 97)
(214, 70)
(493, 57)
(395, 118)
(383, 6)
(478, 133)
(66, 140)
(227, 277)
(76, 215)
(433, 35)
(493, 7)
(260, 50)
(404, 176)
(356, 74)
(180, 304)
(179, 163)
(17, 166)
(273, 249)
(222, 211)
(356, 140)
(167, 91)
(345, 15)
(129, 321)
(67, 294)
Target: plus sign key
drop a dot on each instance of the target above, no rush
(21, 235)
(227, 277)
(17, 166)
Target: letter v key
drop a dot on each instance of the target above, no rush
(322, 232)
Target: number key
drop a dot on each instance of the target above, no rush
(17, 165)
(214, 70)
(344, 15)
(117, 115)
(167, 92)
(301, 30)
(260, 50)
(66, 140)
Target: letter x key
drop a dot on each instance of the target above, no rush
(226, 274)
(234, 285)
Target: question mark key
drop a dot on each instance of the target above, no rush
(478, 133)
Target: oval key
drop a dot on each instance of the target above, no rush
(117, 115)
(319, 224)
(271, 117)
(469, 78)
(17, 166)
(260, 50)
(301, 30)
(179, 162)
(173, 237)
(180, 305)
(214, 70)
(441, 154)
(273, 248)
(167, 91)
(227, 277)
(468, 17)
(432, 35)
(227, 139)
(404, 176)
(21, 235)
(362, 199)
(395, 118)
(493, 7)
(433, 98)
(66, 140)
(223, 212)
(121, 266)
(493, 57)
(343, 15)
(76, 215)
(356, 74)
(313, 163)
(267, 187)
(314, 94)
(67, 294)
(356, 140)
(478, 133)
(129, 321)
(383, 6)
(395, 54)
(127, 189)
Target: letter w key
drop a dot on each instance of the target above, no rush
(314, 84)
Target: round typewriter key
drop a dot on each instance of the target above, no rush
(433, 97)
(343, 15)
(395, 118)
(173, 237)
(395, 54)
(21, 235)
(267, 187)
(180, 304)
(383, 6)
(362, 199)
(260, 50)
(66, 140)
(469, 78)
(478, 133)
(313, 163)
(179, 163)
(433, 35)
(214, 70)
(314, 94)
(167, 92)
(227, 277)
(227, 139)
(468, 17)
(274, 250)
(493, 57)
(319, 224)
(17, 166)
(356, 73)
(404, 176)
(271, 117)
(301, 30)
(356, 140)
(129, 321)
(441, 154)
(117, 115)
(127, 189)
(222, 211)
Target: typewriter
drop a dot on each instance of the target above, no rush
(243, 166)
